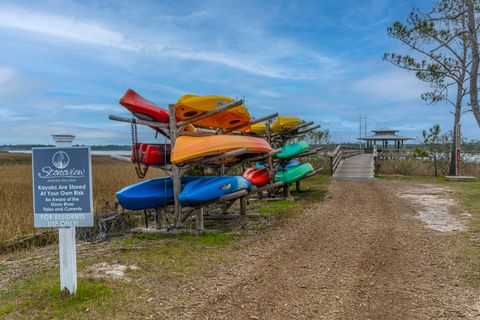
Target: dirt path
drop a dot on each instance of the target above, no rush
(360, 255)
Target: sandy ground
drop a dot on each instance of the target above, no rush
(372, 250)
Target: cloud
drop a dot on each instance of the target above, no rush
(256, 51)
(391, 86)
(65, 27)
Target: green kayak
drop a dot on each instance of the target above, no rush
(293, 174)
(291, 150)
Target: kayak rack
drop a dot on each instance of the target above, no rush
(175, 128)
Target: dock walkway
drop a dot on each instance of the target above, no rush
(360, 166)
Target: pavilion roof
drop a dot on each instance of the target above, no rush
(385, 137)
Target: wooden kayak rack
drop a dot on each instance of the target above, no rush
(174, 129)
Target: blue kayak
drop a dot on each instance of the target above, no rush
(290, 164)
(154, 193)
(211, 188)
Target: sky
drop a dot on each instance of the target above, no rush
(65, 64)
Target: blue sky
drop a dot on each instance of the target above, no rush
(65, 64)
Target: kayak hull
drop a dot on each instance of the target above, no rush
(291, 150)
(258, 128)
(154, 193)
(290, 164)
(189, 149)
(146, 110)
(257, 176)
(191, 105)
(293, 174)
(143, 108)
(211, 188)
(284, 123)
(158, 154)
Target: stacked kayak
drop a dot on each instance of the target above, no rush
(147, 110)
(258, 128)
(211, 188)
(290, 164)
(291, 150)
(189, 149)
(293, 174)
(284, 123)
(257, 176)
(154, 193)
(152, 153)
(191, 105)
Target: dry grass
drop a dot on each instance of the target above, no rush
(416, 167)
(16, 209)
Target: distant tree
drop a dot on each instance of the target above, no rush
(434, 144)
(318, 137)
(440, 40)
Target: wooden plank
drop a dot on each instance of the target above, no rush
(176, 174)
(210, 113)
(228, 197)
(243, 206)
(303, 125)
(199, 220)
(254, 121)
(308, 130)
(139, 121)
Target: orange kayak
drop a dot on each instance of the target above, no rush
(188, 149)
(191, 105)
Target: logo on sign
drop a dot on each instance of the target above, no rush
(60, 160)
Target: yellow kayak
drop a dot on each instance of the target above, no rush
(191, 105)
(284, 123)
(258, 128)
(188, 149)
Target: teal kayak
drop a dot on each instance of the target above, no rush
(294, 173)
(291, 150)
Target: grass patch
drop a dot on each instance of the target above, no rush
(39, 297)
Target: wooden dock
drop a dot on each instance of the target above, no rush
(359, 166)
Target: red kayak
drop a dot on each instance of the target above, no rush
(142, 108)
(152, 153)
(257, 176)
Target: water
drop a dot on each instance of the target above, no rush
(94, 152)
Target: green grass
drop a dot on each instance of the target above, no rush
(41, 293)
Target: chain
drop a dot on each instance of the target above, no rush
(141, 172)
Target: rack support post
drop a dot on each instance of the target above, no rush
(176, 174)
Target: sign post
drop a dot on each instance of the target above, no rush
(62, 198)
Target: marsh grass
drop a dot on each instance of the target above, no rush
(16, 206)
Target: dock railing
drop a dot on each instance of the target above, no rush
(341, 153)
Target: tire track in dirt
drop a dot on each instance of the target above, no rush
(359, 255)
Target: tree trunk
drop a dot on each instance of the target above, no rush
(435, 165)
(458, 113)
(472, 33)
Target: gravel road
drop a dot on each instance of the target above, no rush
(359, 255)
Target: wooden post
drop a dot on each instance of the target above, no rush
(243, 206)
(176, 174)
(268, 136)
(297, 185)
(222, 172)
(67, 246)
(199, 220)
